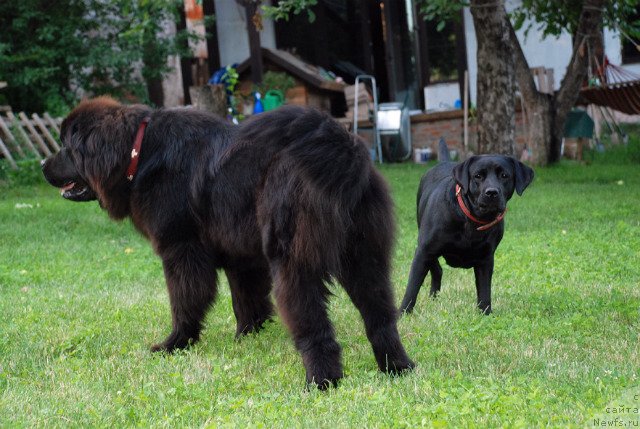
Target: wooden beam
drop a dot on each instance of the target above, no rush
(34, 134)
(298, 68)
(461, 52)
(52, 122)
(465, 97)
(213, 50)
(7, 155)
(255, 53)
(12, 140)
(45, 132)
(23, 134)
(185, 63)
(393, 48)
(366, 50)
(422, 60)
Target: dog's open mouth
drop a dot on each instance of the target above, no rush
(77, 191)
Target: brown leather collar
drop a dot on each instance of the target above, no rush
(484, 225)
(135, 152)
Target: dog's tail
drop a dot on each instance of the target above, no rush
(443, 151)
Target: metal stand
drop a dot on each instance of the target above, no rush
(374, 117)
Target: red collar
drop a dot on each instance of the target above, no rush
(484, 224)
(135, 152)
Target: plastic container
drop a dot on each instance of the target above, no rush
(273, 99)
(257, 105)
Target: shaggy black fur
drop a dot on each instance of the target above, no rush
(487, 183)
(289, 198)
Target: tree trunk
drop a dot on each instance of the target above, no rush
(546, 115)
(538, 107)
(496, 78)
(588, 36)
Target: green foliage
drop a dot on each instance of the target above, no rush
(277, 80)
(284, 8)
(38, 44)
(28, 173)
(550, 17)
(231, 78)
(554, 17)
(50, 51)
(441, 10)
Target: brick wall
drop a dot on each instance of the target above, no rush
(426, 130)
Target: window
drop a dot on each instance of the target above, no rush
(441, 52)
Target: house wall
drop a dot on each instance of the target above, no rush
(233, 40)
(427, 129)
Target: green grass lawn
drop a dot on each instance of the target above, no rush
(82, 298)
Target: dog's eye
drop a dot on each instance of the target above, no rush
(504, 176)
(478, 176)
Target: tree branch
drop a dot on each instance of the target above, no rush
(523, 73)
(588, 30)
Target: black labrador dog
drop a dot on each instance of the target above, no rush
(460, 212)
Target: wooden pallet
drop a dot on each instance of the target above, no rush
(22, 137)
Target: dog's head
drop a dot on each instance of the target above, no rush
(489, 181)
(96, 143)
(72, 169)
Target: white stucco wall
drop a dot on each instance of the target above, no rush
(233, 40)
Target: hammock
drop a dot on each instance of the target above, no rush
(614, 87)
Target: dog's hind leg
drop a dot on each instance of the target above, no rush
(301, 298)
(436, 278)
(419, 268)
(191, 282)
(364, 272)
(250, 289)
(365, 277)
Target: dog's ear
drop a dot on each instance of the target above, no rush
(461, 173)
(523, 175)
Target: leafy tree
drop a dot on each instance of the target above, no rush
(584, 19)
(284, 8)
(38, 46)
(51, 53)
(547, 113)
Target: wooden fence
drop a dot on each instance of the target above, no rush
(22, 137)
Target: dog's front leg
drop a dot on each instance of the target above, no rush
(483, 273)
(419, 270)
(191, 282)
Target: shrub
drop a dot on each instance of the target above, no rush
(28, 173)
(620, 153)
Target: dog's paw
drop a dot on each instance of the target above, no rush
(242, 330)
(323, 372)
(399, 366)
(324, 382)
(484, 308)
(175, 341)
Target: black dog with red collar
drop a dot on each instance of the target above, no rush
(460, 217)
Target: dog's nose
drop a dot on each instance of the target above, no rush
(491, 192)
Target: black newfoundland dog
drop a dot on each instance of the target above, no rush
(288, 198)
